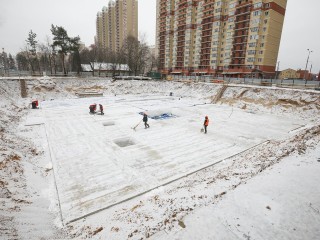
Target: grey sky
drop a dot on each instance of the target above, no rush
(17, 17)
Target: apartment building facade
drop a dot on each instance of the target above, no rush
(115, 23)
(234, 38)
(289, 74)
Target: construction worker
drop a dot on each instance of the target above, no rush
(34, 104)
(205, 124)
(145, 120)
(93, 108)
(101, 109)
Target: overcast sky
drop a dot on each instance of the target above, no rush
(18, 17)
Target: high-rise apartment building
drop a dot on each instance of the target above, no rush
(116, 22)
(236, 38)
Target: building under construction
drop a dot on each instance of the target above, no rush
(116, 22)
(234, 38)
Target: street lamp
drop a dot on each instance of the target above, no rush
(304, 77)
(2, 62)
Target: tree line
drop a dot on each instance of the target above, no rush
(63, 53)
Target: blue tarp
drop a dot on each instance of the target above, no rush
(162, 116)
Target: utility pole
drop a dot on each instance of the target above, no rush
(305, 71)
(1, 63)
(4, 59)
(310, 73)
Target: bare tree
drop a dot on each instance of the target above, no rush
(22, 61)
(11, 62)
(95, 56)
(136, 54)
(46, 55)
(153, 62)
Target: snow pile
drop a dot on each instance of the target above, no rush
(21, 173)
(13, 149)
(304, 103)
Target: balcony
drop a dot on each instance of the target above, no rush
(238, 57)
(240, 13)
(206, 20)
(209, 2)
(242, 26)
(242, 19)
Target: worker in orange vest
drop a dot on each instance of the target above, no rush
(206, 123)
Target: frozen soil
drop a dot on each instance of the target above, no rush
(30, 207)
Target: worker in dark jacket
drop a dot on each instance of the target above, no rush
(101, 109)
(206, 123)
(145, 120)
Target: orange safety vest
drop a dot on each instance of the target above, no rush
(206, 122)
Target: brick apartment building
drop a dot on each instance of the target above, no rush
(235, 38)
(115, 23)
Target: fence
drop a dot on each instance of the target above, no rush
(97, 73)
(286, 83)
(57, 74)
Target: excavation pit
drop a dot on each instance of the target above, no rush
(121, 163)
(108, 124)
(124, 142)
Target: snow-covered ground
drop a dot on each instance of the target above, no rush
(68, 174)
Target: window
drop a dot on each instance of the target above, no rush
(257, 5)
(255, 21)
(266, 13)
(254, 37)
(232, 5)
(257, 13)
(251, 52)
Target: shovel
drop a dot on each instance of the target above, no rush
(134, 128)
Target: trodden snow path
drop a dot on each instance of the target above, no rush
(100, 161)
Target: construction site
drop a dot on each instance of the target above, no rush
(70, 172)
